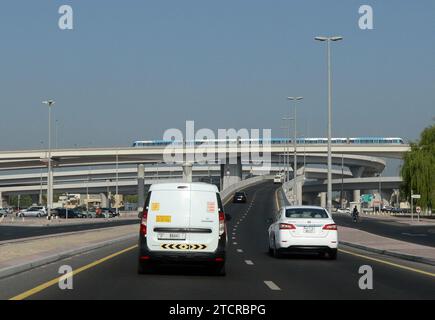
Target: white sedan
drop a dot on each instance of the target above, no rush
(303, 229)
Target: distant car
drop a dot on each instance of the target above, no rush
(278, 179)
(343, 210)
(303, 229)
(3, 212)
(396, 210)
(240, 197)
(35, 211)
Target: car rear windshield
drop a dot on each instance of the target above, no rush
(240, 194)
(306, 213)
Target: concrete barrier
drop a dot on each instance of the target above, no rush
(227, 193)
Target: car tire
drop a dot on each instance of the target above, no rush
(332, 254)
(275, 251)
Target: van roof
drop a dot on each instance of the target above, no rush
(195, 186)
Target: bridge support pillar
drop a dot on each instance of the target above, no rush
(187, 172)
(104, 200)
(140, 187)
(356, 195)
(323, 199)
(231, 173)
(357, 172)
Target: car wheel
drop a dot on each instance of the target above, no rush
(332, 254)
(276, 253)
(270, 249)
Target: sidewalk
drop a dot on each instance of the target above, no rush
(27, 254)
(398, 219)
(400, 249)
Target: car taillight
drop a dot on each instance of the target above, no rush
(330, 227)
(143, 224)
(286, 226)
(221, 223)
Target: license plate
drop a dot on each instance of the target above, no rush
(172, 236)
(309, 229)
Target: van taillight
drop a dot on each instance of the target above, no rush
(286, 226)
(143, 224)
(330, 227)
(221, 223)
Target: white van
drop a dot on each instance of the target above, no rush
(183, 222)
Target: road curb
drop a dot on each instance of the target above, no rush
(13, 270)
(390, 253)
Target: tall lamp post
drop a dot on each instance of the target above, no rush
(328, 41)
(295, 143)
(50, 104)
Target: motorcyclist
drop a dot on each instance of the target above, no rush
(355, 214)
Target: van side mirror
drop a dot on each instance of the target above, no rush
(228, 217)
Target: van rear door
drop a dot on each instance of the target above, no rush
(204, 220)
(168, 219)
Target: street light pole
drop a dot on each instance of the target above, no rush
(117, 185)
(50, 104)
(328, 41)
(295, 159)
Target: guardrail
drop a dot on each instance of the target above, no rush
(227, 193)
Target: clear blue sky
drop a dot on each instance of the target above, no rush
(131, 69)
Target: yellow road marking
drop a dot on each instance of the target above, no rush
(50, 283)
(388, 263)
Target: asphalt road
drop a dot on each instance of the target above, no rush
(19, 232)
(424, 235)
(251, 272)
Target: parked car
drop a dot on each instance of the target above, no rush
(183, 223)
(343, 210)
(66, 213)
(35, 211)
(296, 229)
(3, 212)
(240, 197)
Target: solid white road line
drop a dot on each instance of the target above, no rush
(272, 286)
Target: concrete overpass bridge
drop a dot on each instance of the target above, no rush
(362, 160)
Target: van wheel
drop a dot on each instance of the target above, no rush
(144, 268)
(219, 270)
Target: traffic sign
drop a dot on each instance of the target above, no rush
(416, 196)
(418, 210)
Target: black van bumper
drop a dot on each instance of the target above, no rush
(188, 257)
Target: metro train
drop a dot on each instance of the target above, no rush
(273, 141)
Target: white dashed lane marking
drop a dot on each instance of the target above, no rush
(239, 250)
(272, 286)
(249, 262)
